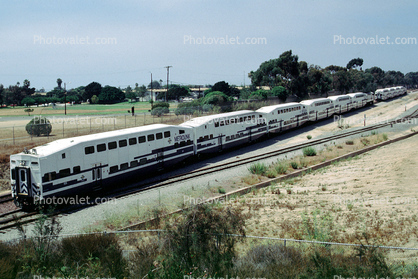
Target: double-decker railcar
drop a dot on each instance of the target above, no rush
(319, 108)
(360, 99)
(284, 116)
(89, 163)
(342, 103)
(222, 131)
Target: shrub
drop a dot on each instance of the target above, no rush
(39, 126)
(160, 105)
(385, 137)
(221, 190)
(271, 173)
(294, 165)
(309, 151)
(159, 111)
(281, 168)
(308, 137)
(258, 168)
(349, 142)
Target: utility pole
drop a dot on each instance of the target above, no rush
(151, 89)
(168, 70)
(65, 99)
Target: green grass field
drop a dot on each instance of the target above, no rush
(82, 109)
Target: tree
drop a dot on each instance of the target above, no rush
(201, 241)
(94, 88)
(378, 75)
(140, 91)
(155, 84)
(280, 92)
(175, 92)
(284, 71)
(354, 63)
(94, 99)
(2, 95)
(110, 95)
(59, 82)
(39, 126)
(130, 94)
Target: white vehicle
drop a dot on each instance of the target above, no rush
(284, 116)
(360, 99)
(88, 163)
(222, 131)
(319, 108)
(342, 103)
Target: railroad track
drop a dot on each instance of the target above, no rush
(136, 188)
(5, 198)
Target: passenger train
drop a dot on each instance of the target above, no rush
(84, 164)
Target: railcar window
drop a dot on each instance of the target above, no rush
(143, 161)
(216, 124)
(150, 137)
(124, 166)
(76, 169)
(89, 150)
(167, 134)
(232, 120)
(123, 143)
(141, 139)
(241, 119)
(253, 117)
(134, 164)
(132, 141)
(113, 169)
(226, 122)
(181, 132)
(34, 163)
(14, 174)
(112, 145)
(159, 136)
(222, 123)
(63, 155)
(64, 173)
(101, 147)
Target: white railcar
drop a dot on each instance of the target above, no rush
(319, 108)
(360, 99)
(284, 116)
(342, 103)
(221, 131)
(89, 163)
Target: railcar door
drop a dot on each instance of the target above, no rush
(97, 177)
(23, 181)
(220, 142)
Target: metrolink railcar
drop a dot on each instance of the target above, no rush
(89, 163)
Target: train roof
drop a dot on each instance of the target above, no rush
(336, 97)
(62, 144)
(198, 121)
(269, 109)
(310, 102)
(356, 94)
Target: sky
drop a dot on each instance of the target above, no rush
(120, 43)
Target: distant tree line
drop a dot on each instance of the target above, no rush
(283, 76)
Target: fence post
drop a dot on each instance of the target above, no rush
(62, 128)
(144, 118)
(13, 134)
(125, 121)
(135, 119)
(284, 243)
(114, 123)
(90, 123)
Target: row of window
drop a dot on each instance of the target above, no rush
(289, 110)
(126, 166)
(61, 174)
(234, 120)
(322, 103)
(132, 141)
(343, 99)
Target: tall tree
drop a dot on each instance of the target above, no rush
(355, 63)
(110, 95)
(59, 82)
(94, 88)
(155, 84)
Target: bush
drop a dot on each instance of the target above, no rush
(294, 165)
(159, 111)
(308, 137)
(258, 168)
(39, 126)
(309, 151)
(160, 105)
(281, 168)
